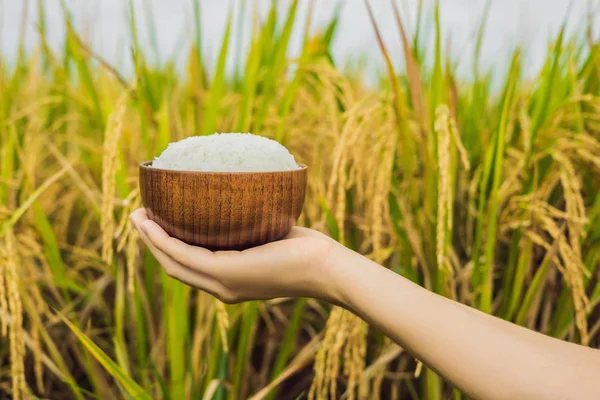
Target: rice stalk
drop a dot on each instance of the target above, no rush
(377, 381)
(573, 271)
(323, 366)
(109, 169)
(131, 255)
(30, 252)
(124, 227)
(223, 322)
(345, 336)
(573, 275)
(129, 238)
(382, 185)
(444, 209)
(418, 369)
(354, 357)
(464, 156)
(202, 331)
(4, 292)
(529, 164)
(36, 349)
(337, 185)
(16, 333)
(333, 361)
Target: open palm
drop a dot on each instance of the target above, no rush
(291, 267)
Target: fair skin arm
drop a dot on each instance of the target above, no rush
(485, 357)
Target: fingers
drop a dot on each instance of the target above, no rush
(138, 216)
(197, 258)
(172, 267)
(181, 252)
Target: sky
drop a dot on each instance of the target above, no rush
(530, 23)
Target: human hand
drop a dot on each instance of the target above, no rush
(296, 266)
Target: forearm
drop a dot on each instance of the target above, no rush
(482, 355)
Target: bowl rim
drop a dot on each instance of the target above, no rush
(146, 166)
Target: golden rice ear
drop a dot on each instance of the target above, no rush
(444, 209)
(4, 311)
(223, 322)
(132, 251)
(323, 366)
(574, 270)
(15, 310)
(110, 165)
(345, 338)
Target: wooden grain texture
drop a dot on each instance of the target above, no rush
(223, 210)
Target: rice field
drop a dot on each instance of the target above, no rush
(490, 197)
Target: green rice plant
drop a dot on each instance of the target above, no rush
(130, 387)
(487, 196)
(211, 113)
(278, 51)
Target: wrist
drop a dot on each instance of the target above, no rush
(350, 276)
(321, 273)
(337, 271)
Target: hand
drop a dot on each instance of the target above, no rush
(295, 266)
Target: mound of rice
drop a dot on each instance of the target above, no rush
(226, 152)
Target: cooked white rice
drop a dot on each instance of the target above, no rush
(226, 152)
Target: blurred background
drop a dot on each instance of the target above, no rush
(105, 24)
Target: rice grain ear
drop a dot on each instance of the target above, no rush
(15, 307)
(223, 322)
(325, 367)
(36, 348)
(4, 311)
(131, 256)
(109, 170)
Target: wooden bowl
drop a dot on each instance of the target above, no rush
(223, 210)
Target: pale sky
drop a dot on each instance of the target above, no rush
(530, 22)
